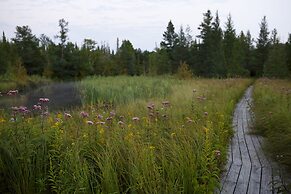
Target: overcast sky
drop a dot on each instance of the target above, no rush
(140, 21)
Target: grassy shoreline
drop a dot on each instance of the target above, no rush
(7, 84)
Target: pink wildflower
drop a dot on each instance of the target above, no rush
(151, 106)
(90, 123)
(120, 123)
(100, 117)
(84, 114)
(135, 119)
(189, 120)
(166, 103)
(12, 92)
(112, 113)
(36, 107)
(68, 115)
(14, 108)
(44, 100)
(46, 113)
(109, 119)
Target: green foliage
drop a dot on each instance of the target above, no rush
(121, 90)
(276, 65)
(272, 105)
(169, 37)
(184, 71)
(170, 149)
(215, 53)
(126, 59)
(288, 53)
(27, 46)
(262, 48)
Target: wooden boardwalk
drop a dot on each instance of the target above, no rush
(248, 169)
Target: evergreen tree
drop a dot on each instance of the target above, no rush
(28, 49)
(206, 64)
(181, 50)
(169, 44)
(126, 58)
(249, 52)
(262, 48)
(63, 35)
(274, 37)
(4, 54)
(169, 37)
(46, 45)
(159, 63)
(229, 42)
(276, 64)
(288, 54)
(217, 53)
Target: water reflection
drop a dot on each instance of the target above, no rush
(61, 95)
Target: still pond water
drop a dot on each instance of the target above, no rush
(62, 96)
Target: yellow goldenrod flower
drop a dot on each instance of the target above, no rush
(101, 131)
(2, 120)
(59, 115)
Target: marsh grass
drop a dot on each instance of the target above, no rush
(272, 107)
(124, 89)
(179, 148)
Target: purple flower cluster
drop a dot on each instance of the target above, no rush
(12, 92)
(43, 100)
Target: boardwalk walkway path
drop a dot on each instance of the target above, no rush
(248, 169)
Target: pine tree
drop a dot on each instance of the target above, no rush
(180, 51)
(263, 43)
(126, 59)
(217, 48)
(28, 49)
(63, 35)
(205, 48)
(169, 37)
(229, 46)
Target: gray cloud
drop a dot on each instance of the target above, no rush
(141, 21)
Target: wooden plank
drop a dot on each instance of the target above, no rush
(243, 179)
(256, 169)
(248, 169)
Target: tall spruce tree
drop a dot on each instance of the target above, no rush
(205, 66)
(169, 43)
(263, 43)
(63, 35)
(217, 48)
(127, 60)
(229, 42)
(181, 49)
(169, 37)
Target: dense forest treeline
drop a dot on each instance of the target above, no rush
(215, 52)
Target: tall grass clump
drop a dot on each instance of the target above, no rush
(272, 107)
(123, 89)
(175, 142)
